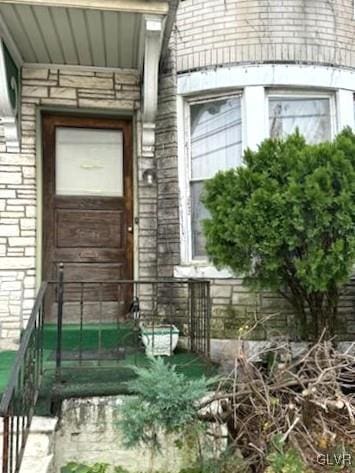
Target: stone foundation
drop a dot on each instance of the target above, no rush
(88, 434)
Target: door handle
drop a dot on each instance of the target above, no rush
(130, 229)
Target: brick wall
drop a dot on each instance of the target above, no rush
(66, 88)
(215, 32)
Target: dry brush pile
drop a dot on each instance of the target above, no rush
(307, 403)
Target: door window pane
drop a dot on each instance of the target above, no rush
(89, 162)
(311, 116)
(216, 144)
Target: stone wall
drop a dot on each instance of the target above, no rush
(167, 168)
(234, 307)
(88, 433)
(66, 89)
(217, 32)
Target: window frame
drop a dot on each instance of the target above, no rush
(185, 171)
(184, 102)
(279, 93)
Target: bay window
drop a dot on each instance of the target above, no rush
(214, 139)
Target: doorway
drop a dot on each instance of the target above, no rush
(88, 208)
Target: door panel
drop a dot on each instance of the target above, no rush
(93, 292)
(97, 229)
(87, 176)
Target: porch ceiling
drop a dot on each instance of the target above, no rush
(83, 34)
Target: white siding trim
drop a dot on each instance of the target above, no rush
(266, 75)
(78, 68)
(130, 6)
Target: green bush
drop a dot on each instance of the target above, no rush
(286, 220)
(166, 402)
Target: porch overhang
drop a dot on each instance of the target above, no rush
(112, 34)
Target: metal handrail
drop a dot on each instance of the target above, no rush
(20, 396)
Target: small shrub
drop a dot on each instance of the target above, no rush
(284, 460)
(166, 402)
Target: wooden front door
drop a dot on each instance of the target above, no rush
(87, 204)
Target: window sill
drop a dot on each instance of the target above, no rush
(201, 270)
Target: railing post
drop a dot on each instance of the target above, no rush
(60, 319)
(191, 296)
(208, 318)
(5, 447)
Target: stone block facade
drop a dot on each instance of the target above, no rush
(219, 32)
(69, 90)
(168, 237)
(208, 33)
(236, 309)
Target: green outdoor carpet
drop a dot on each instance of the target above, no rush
(89, 376)
(110, 336)
(7, 359)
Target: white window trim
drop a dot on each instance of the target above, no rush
(303, 94)
(345, 109)
(201, 271)
(184, 170)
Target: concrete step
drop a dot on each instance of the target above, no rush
(39, 451)
(43, 464)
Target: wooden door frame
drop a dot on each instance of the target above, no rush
(49, 121)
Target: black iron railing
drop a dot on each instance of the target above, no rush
(19, 399)
(97, 324)
(136, 311)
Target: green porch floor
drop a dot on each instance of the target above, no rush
(7, 359)
(92, 377)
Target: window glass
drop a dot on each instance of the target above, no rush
(198, 213)
(310, 115)
(89, 162)
(215, 137)
(216, 144)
